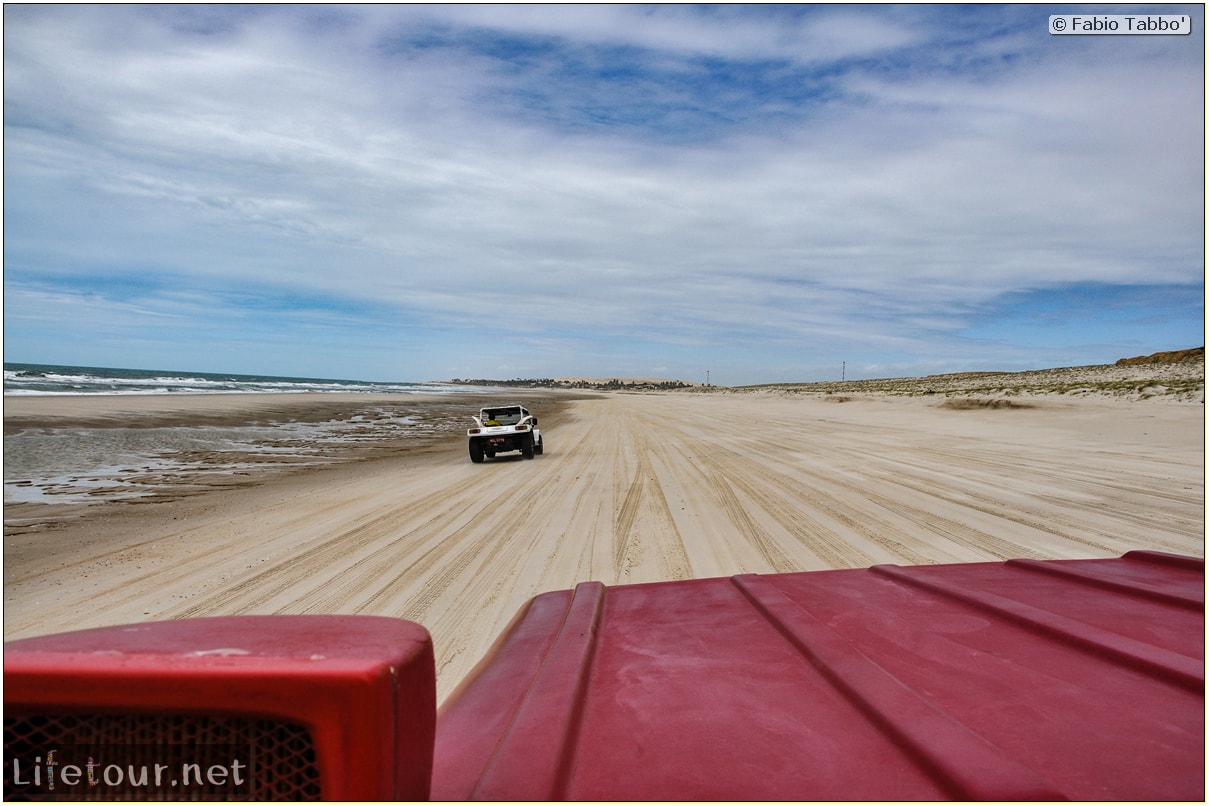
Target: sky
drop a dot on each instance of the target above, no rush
(749, 194)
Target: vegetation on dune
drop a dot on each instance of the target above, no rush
(1183, 380)
(1169, 357)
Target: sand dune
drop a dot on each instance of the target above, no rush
(633, 488)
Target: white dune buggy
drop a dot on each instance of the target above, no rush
(504, 428)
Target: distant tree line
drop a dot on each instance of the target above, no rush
(613, 384)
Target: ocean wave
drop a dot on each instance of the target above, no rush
(35, 379)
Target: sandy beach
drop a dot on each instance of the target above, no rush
(631, 488)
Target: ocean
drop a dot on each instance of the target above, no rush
(50, 464)
(48, 379)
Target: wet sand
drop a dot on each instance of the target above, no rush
(631, 488)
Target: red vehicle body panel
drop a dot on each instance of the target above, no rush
(364, 688)
(1076, 679)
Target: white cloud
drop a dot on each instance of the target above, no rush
(865, 192)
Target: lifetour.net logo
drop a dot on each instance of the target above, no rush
(168, 772)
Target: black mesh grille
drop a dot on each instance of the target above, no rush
(157, 757)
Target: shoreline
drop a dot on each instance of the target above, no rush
(174, 446)
(210, 408)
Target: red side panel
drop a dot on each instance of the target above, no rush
(363, 687)
(1078, 679)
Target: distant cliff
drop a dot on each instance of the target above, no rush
(1170, 357)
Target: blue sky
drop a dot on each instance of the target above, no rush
(764, 192)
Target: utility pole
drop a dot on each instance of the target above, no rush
(707, 377)
(843, 371)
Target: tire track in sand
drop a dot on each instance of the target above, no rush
(318, 562)
(645, 524)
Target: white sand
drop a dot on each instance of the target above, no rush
(633, 488)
